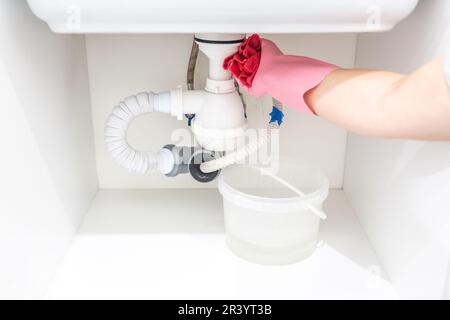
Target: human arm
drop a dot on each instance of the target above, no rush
(386, 104)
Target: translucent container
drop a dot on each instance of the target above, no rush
(265, 221)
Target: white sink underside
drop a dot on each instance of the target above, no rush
(231, 16)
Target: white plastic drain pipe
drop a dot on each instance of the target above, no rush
(219, 113)
(116, 133)
(243, 152)
(240, 154)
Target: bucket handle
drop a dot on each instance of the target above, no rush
(322, 215)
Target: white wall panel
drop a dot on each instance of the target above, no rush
(50, 176)
(400, 189)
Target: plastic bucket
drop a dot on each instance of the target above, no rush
(265, 221)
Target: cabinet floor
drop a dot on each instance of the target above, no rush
(170, 244)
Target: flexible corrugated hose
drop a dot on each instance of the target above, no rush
(117, 126)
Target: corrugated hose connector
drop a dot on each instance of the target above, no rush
(117, 125)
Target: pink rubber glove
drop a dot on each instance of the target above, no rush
(260, 67)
